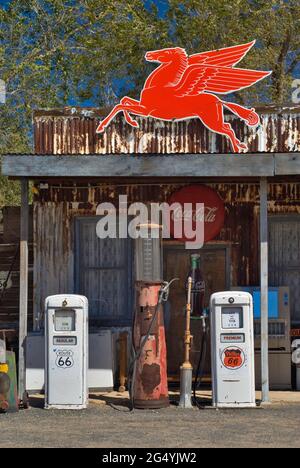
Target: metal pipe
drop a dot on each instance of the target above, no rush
(264, 289)
(186, 370)
(188, 337)
(23, 301)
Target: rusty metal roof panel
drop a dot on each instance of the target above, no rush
(73, 131)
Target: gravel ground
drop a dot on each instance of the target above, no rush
(103, 427)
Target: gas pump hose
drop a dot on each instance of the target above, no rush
(201, 363)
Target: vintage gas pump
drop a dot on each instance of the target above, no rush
(296, 361)
(149, 379)
(66, 328)
(232, 346)
(9, 401)
(4, 378)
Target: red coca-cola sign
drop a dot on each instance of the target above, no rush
(214, 210)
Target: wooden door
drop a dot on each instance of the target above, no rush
(216, 270)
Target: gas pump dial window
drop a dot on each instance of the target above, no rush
(232, 318)
(64, 320)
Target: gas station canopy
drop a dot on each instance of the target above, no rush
(140, 165)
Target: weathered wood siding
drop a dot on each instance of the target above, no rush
(57, 206)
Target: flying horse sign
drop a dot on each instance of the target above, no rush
(184, 87)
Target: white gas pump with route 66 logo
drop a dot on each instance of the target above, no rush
(232, 342)
(66, 328)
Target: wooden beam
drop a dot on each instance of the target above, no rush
(264, 289)
(23, 301)
(287, 164)
(186, 165)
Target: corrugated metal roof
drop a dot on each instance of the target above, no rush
(73, 131)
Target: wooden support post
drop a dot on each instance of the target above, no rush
(264, 289)
(23, 304)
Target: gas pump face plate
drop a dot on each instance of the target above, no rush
(233, 338)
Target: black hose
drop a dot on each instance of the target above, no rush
(200, 368)
(136, 356)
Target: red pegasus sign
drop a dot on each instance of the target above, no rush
(184, 87)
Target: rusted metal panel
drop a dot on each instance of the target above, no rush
(73, 131)
(84, 195)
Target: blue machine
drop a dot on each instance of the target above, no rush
(273, 301)
(279, 335)
(273, 309)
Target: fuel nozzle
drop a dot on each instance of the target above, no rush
(204, 318)
(165, 289)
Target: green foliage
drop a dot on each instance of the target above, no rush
(90, 51)
(275, 24)
(13, 139)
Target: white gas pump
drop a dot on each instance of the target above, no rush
(66, 352)
(296, 361)
(232, 342)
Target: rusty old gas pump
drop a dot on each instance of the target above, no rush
(4, 378)
(8, 376)
(149, 379)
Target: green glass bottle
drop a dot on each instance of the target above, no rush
(198, 286)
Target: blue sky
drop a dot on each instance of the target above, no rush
(162, 5)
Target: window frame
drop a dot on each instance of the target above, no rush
(125, 321)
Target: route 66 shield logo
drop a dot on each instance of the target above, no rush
(233, 358)
(64, 359)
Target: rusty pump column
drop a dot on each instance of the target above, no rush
(150, 384)
(186, 370)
